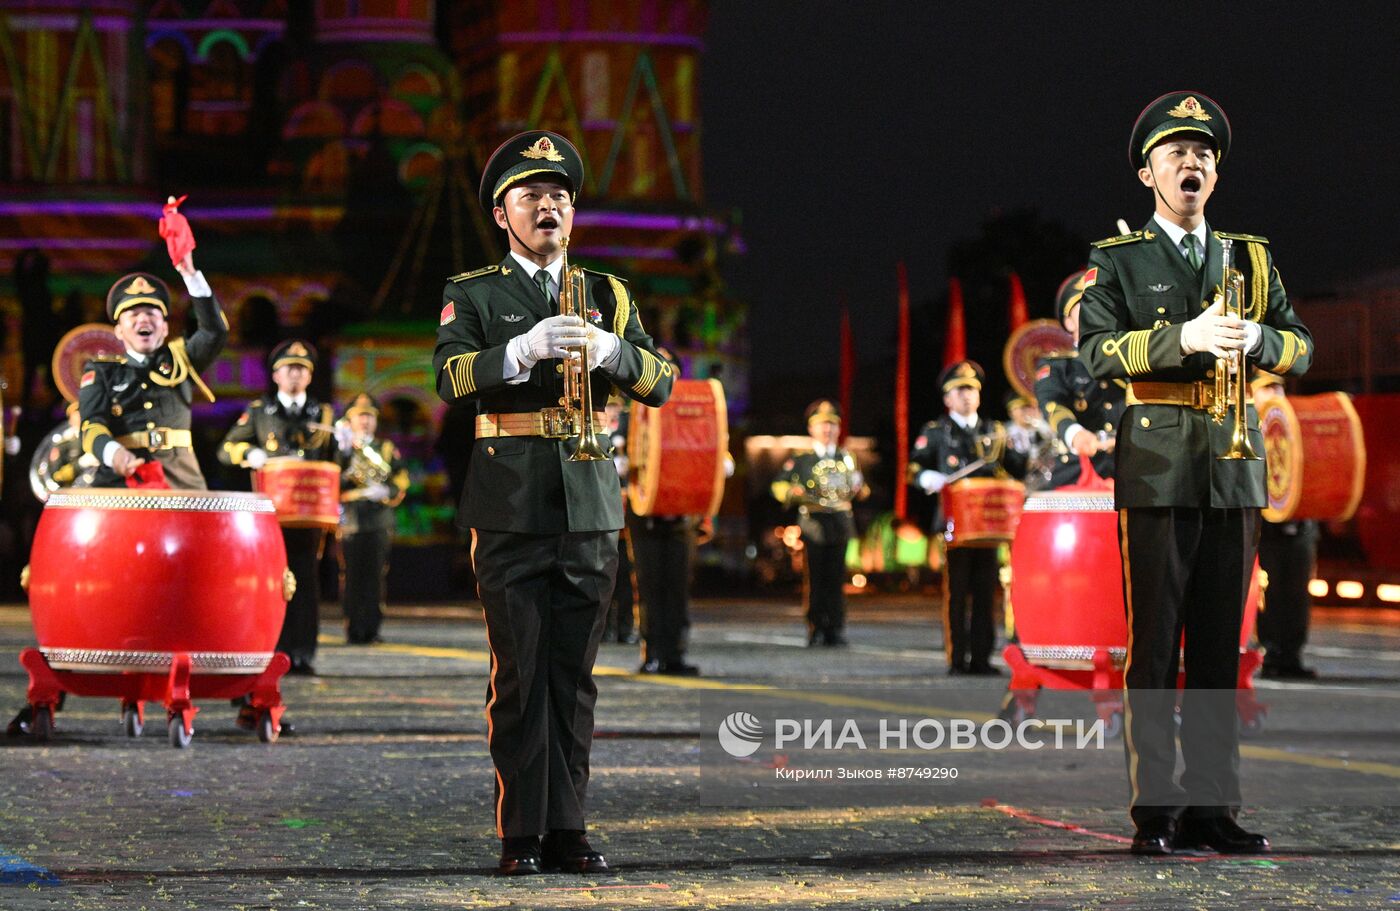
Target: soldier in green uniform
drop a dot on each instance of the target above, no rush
(1083, 413)
(947, 446)
(135, 406)
(1188, 520)
(373, 481)
(822, 482)
(544, 528)
(292, 424)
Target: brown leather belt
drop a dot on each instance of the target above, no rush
(1199, 395)
(157, 439)
(552, 423)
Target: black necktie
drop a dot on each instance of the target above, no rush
(1193, 254)
(542, 279)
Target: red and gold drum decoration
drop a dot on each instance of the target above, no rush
(1067, 581)
(123, 580)
(1027, 345)
(75, 349)
(306, 493)
(677, 452)
(982, 512)
(1316, 457)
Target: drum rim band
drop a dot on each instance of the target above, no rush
(162, 500)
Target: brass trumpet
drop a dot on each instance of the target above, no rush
(578, 390)
(1231, 379)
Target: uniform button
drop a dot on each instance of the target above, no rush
(490, 450)
(563, 401)
(149, 405)
(1107, 406)
(1107, 426)
(150, 425)
(1103, 384)
(1145, 422)
(558, 368)
(1161, 309)
(143, 385)
(1210, 374)
(1205, 305)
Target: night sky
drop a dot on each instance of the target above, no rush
(852, 135)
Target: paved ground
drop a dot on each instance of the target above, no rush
(382, 798)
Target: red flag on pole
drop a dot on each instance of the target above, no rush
(955, 342)
(1016, 315)
(901, 400)
(848, 369)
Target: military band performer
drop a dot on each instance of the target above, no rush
(544, 528)
(1188, 520)
(822, 482)
(1082, 412)
(948, 446)
(373, 481)
(59, 461)
(135, 406)
(291, 424)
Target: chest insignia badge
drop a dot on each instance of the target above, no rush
(512, 317)
(595, 315)
(116, 411)
(1159, 288)
(165, 368)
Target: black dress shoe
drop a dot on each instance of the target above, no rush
(629, 638)
(678, 668)
(1155, 837)
(815, 637)
(301, 667)
(520, 856)
(650, 666)
(982, 669)
(568, 851)
(835, 639)
(1222, 834)
(957, 670)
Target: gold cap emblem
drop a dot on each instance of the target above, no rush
(965, 370)
(139, 285)
(544, 149)
(1189, 107)
(297, 349)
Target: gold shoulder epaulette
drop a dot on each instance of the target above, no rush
(475, 273)
(107, 359)
(1123, 239)
(1252, 238)
(255, 403)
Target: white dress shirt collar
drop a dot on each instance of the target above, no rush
(530, 268)
(1177, 232)
(966, 423)
(290, 402)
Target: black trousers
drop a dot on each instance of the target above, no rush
(622, 609)
(365, 557)
(969, 605)
(545, 599)
(302, 623)
(1288, 553)
(663, 549)
(824, 539)
(1185, 572)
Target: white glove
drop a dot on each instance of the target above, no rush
(602, 346)
(11, 445)
(932, 481)
(380, 493)
(255, 458)
(548, 339)
(344, 437)
(1214, 333)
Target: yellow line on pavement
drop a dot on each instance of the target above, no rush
(1322, 762)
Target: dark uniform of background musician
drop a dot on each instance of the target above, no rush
(544, 528)
(1083, 413)
(1288, 554)
(945, 447)
(290, 424)
(822, 483)
(136, 406)
(1188, 520)
(373, 481)
(621, 624)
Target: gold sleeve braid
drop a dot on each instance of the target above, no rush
(236, 451)
(459, 371)
(1058, 415)
(91, 431)
(1293, 348)
(1131, 349)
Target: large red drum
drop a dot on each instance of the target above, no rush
(1316, 457)
(122, 580)
(982, 512)
(1066, 581)
(677, 451)
(305, 492)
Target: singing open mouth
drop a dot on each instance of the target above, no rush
(1191, 184)
(548, 223)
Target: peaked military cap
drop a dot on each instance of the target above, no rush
(824, 411)
(1015, 400)
(1071, 290)
(292, 351)
(1176, 113)
(137, 289)
(961, 373)
(534, 153)
(363, 403)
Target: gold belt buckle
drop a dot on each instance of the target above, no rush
(557, 424)
(155, 439)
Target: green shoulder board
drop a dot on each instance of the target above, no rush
(1123, 239)
(603, 274)
(475, 273)
(1248, 238)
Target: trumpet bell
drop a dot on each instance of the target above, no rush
(587, 450)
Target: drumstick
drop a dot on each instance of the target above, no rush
(966, 470)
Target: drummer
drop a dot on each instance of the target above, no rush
(135, 406)
(294, 425)
(1083, 413)
(947, 447)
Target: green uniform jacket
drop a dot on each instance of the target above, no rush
(525, 484)
(1068, 395)
(946, 447)
(266, 425)
(1130, 322)
(118, 396)
(358, 514)
(796, 485)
